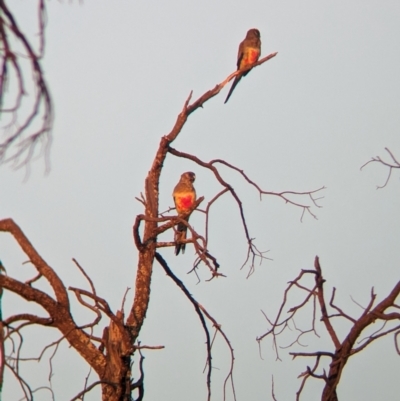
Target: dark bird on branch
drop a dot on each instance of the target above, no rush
(249, 52)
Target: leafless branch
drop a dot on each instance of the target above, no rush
(374, 337)
(23, 131)
(218, 328)
(342, 350)
(149, 346)
(394, 164)
(273, 389)
(280, 324)
(86, 276)
(396, 341)
(34, 319)
(91, 387)
(22, 383)
(198, 310)
(341, 313)
(253, 252)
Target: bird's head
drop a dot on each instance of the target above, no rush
(189, 176)
(253, 33)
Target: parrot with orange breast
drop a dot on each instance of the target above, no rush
(249, 52)
(184, 198)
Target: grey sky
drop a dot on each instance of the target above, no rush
(119, 73)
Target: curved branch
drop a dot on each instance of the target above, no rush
(196, 306)
(41, 108)
(283, 195)
(61, 318)
(253, 251)
(30, 294)
(394, 164)
(44, 321)
(91, 387)
(8, 225)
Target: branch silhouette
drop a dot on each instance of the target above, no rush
(23, 130)
(342, 350)
(110, 354)
(390, 165)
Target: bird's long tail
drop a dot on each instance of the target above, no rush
(179, 236)
(235, 82)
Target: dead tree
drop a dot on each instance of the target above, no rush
(328, 312)
(110, 353)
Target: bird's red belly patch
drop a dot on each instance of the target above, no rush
(185, 202)
(252, 56)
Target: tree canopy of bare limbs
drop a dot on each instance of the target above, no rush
(109, 353)
(326, 312)
(26, 107)
(362, 330)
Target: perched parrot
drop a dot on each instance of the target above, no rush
(184, 198)
(249, 52)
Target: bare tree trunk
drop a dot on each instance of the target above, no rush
(118, 345)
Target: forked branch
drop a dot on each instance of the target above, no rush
(202, 312)
(330, 372)
(253, 252)
(390, 165)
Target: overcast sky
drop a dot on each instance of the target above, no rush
(119, 73)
